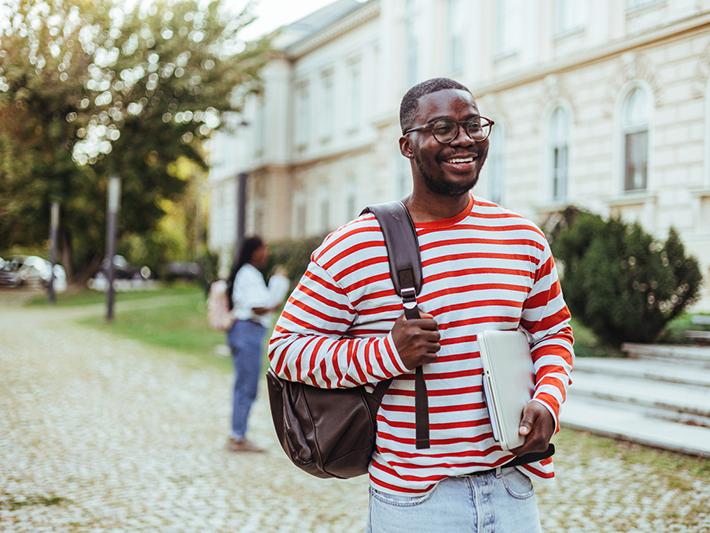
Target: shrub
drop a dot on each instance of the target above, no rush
(618, 280)
(294, 255)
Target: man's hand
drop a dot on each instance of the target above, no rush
(417, 341)
(537, 426)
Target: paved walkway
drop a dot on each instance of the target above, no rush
(103, 433)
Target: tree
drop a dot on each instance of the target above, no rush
(92, 88)
(618, 280)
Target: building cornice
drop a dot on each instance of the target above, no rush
(332, 156)
(691, 24)
(367, 12)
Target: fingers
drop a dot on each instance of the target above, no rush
(535, 439)
(417, 340)
(428, 324)
(528, 421)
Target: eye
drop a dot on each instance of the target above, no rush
(443, 127)
(473, 124)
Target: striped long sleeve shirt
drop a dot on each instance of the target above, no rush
(486, 268)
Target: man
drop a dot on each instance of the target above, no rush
(483, 268)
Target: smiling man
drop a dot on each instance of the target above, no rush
(484, 267)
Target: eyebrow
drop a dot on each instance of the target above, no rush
(473, 115)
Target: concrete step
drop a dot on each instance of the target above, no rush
(698, 336)
(686, 399)
(651, 369)
(674, 353)
(620, 422)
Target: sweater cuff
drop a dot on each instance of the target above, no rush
(393, 355)
(552, 412)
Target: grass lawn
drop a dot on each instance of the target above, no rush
(178, 324)
(73, 298)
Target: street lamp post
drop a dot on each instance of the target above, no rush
(241, 211)
(53, 228)
(114, 202)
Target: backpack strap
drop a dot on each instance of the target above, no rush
(406, 273)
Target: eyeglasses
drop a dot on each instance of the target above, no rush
(445, 130)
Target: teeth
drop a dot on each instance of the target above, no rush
(461, 160)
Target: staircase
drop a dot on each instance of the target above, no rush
(659, 397)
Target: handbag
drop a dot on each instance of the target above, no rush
(331, 432)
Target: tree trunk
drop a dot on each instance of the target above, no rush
(66, 253)
(83, 275)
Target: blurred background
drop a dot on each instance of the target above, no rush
(141, 141)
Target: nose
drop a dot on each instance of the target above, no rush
(462, 138)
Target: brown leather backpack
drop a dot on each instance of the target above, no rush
(331, 432)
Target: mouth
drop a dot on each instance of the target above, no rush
(460, 162)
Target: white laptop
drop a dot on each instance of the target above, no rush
(507, 382)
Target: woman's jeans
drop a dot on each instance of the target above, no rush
(245, 339)
(502, 501)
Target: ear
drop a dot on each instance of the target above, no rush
(405, 147)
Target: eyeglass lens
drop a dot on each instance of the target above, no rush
(446, 130)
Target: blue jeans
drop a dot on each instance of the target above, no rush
(502, 501)
(245, 339)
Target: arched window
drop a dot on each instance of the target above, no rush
(559, 153)
(635, 120)
(411, 41)
(495, 163)
(298, 221)
(707, 135)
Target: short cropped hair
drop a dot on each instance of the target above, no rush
(408, 106)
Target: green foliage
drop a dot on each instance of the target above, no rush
(620, 282)
(178, 323)
(89, 89)
(293, 255)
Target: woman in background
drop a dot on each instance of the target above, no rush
(253, 303)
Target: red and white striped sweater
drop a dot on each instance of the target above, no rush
(486, 268)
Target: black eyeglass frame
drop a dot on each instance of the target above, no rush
(459, 124)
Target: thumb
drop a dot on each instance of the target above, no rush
(526, 424)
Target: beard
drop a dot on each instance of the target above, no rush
(439, 185)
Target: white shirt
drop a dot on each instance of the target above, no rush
(251, 291)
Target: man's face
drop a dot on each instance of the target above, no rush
(448, 169)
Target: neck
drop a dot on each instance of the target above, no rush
(426, 206)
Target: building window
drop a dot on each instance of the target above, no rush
(303, 115)
(411, 44)
(324, 206)
(559, 153)
(260, 126)
(496, 164)
(299, 216)
(354, 110)
(635, 119)
(633, 5)
(457, 24)
(327, 116)
(404, 176)
(351, 209)
(707, 135)
(509, 28)
(569, 16)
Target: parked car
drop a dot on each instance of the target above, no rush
(182, 270)
(32, 271)
(9, 276)
(122, 269)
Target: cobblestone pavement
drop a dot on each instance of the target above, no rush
(100, 433)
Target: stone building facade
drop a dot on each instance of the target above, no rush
(603, 104)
